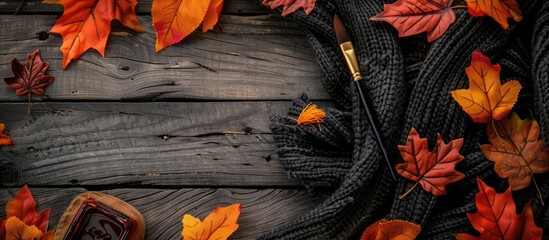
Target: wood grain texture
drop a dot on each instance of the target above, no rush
(242, 7)
(262, 210)
(123, 144)
(255, 58)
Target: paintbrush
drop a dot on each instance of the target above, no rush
(352, 62)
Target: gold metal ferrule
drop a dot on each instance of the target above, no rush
(351, 59)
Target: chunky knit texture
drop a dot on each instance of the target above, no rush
(409, 82)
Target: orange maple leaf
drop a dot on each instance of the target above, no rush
(411, 17)
(174, 20)
(220, 224)
(291, 6)
(4, 138)
(433, 170)
(496, 217)
(391, 230)
(86, 24)
(486, 98)
(516, 150)
(499, 10)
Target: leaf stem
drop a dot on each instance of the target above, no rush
(495, 130)
(459, 7)
(20, 7)
(408, 192)
(221, 27)
(29, 105)
(537, 187)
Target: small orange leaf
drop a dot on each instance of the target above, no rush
(23, 207)
(311, 114)
(4, 138)
(291, 6)
(18, 230)
(486, 98)
(499, 10)
(220, 224)
(516, 150)
(433, 170)
(391, 230)
(411, 17)
(86, 24)
(496, 217)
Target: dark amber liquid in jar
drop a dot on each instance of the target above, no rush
(96, 221)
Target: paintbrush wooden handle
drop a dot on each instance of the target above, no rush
(373, 123)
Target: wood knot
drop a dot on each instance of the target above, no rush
(42, 35)
(11, 176)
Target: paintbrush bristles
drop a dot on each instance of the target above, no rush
(341, 32)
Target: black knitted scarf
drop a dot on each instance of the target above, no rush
(409, 81)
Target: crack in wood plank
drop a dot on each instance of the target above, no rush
(256, 58)
(219, 143)
(262, 210)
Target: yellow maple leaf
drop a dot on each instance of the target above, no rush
(220, 224)
(486, 98)
(499, 10)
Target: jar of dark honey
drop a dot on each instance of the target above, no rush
(98, 216)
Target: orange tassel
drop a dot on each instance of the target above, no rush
(311, 114)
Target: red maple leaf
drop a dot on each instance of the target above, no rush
(496, 217)
(23, 206)
(433, 170)
(411, 17)
(31, 77)
(291, 6)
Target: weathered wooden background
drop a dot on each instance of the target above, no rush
(175, 132)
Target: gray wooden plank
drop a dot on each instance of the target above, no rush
(122, 143)
(262, 210)
(246, 7)
(255, 58)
